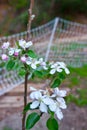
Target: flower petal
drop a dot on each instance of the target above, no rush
(48, 101)
(33, 66)
(53, 107)
(32, 88)
(34, 105)
(37, 95)
(32, 96)
(61, 103)
(59, 114)
(52, 71)
(43, 107)
(67, 71)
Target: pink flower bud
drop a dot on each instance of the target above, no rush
(4, 57)
(23, 59)
(16, 53)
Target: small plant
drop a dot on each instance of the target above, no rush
(48, 100)
(26, 63)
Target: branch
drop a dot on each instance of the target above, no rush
(30, 14)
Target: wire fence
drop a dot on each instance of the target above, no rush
(57, 40)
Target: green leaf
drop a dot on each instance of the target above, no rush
(38, 74)
(22, 72)
(52, 124)
(32, 54)
(56, 83)
(10, 65)
(32, 119)
(27, 107)
(62, 76)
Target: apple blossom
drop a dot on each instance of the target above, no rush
(38, 101)
(4, 57)
(5, 45)
(23, 44)
(43, 63)
(59, 67)
(23, 59)
(32, 62)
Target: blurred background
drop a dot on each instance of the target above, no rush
(14, 13)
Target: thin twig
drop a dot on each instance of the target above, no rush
(30, 15)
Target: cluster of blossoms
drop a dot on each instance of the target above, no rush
(32, 62)
(46, 100)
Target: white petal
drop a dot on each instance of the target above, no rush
(45, 68)
(37, 95)
(33, 66)
(32, 95)
(28, 62)
(34, 105)
(32, 88)
(52, 71)
(28, 44)
(59, 69)
(48, 101)
(53, 107)
(43, 107)
(41, 60)
(63, 93)
(59, 114)
(67, 71)
(61, 103)
(56, 91)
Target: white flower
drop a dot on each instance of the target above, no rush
(32, 62)
(59, 67)
(59, 93)
(5, 45)
(55, 107)
(4, 57)
(11, 51)
(23, 59)
(23, 44)
(43, 63)
(38, 101)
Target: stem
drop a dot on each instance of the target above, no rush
(30, 14)
(25, 100)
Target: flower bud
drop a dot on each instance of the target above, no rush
(4, 57)
(23, 59)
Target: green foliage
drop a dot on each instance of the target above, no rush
(56, 83)
(52, 124)
(10, 64)
(80, 99)
(32, 54)
(32, 119)
(27, 108)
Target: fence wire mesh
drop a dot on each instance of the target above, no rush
(68, 43)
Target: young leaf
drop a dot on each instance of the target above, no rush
(22, 72)
(10, 65)
(56, 83)
(32, 119)
(32, 54)
(38, 74)
(52, 124)
(27, 107)
(62, 76)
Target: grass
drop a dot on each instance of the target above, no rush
(77, 82)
